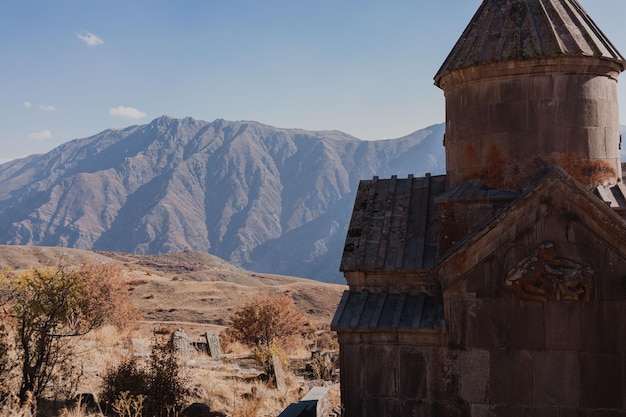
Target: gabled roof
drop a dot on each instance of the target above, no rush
(504, 30)
(557, 191)
(393, 225)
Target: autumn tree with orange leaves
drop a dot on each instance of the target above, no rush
(46, 308)
(267, 320)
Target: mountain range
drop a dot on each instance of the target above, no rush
(267, 199)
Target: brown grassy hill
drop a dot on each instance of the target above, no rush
(190, 289)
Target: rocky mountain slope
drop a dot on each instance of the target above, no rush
(267, 199)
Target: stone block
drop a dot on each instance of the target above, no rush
(507, 411)
(572, 412)
(318, 396)
(605, 413)
(556, 379)
(487, 323)
(351, 378)
(563, 325)
(610, 268)
(481, 410)
(213, 341)
(279, 374)
(414, 408)
(380, 372)
(602, 380)
(412, 378)
(540, 412)
(376, 407)
(482, 283)
(525, 324)
(510, 375)
(603, 324)
(472, 368)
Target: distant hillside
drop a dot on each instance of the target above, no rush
(186, 287)
(266, 199)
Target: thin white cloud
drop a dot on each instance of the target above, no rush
(28, 104)
(127, 112)
(45, 107)
(43, 135)
(90, 39)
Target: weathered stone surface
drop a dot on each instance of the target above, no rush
(482, 282)
(380, 373)
(413, 376)
(572, 412)
(481, 410)
(563, 325)
(511, 378)
(487, 323)
(556, 379)
(182, 343)
(319, 397)
(213, 341)
(602, 382)
(603, 325)
(541, 412)
(507, 411)
(352, 367)
(473, 370)
(279, 374)
(377, 406)
(605, 413)
(525, 328)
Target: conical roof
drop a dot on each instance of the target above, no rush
(503, 30)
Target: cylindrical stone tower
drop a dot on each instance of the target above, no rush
(531, 84)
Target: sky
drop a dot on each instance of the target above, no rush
(73, 68)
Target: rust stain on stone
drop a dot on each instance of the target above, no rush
(493, 173)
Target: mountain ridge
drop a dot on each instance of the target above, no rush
(268, 199)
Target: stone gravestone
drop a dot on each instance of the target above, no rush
(182, 344)
(213, 342)
(279, 374)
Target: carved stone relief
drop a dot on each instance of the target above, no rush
(543, 276)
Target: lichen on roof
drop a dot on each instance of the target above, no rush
(503, 30)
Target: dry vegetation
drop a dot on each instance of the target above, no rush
(197, 293)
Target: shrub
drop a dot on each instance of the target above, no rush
(158, 386)
(128, 377)
(48, 307)
(264, 357)
(166, 386)
(267, 320)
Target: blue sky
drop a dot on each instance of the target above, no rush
(73, 68)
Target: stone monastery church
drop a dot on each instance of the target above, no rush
(499, 289)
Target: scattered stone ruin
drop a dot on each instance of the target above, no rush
(499, 289)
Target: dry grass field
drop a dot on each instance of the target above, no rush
(196, 293)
